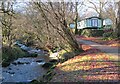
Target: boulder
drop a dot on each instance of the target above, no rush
(5, 64)
(11, 72)
(27, 63)
(20, 63)
(14, 63)
(40, 60)
(53, 61)
(9, 69)
(47, 65)
(34, 82)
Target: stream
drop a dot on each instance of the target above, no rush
(25, 69)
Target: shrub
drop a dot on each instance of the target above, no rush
(92, 32)
(109, 35)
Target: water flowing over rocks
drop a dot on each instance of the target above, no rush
(28, 68)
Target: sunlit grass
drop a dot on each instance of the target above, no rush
(88, 66)
(84, 66)
(98, 58)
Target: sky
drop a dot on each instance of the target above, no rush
(19, 6)
(59, 0)
(84, 10)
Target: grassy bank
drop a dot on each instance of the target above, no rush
(64, 55)
(92, 65)
(10, 54)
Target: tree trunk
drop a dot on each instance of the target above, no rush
(73, 43)
(118, 22)
(76, 18)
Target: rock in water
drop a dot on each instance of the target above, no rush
(11, 72)
(47, 65)
(9, 69)
(20, 63)
(34, 82)
(14, 63)
(53, 61)
(39, 60)
(27, 62)
(5, 64)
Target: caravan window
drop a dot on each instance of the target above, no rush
(94, 22)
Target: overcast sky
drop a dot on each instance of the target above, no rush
(84, 10)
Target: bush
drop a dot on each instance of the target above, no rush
(97, 33)
(110, 35)
(86, 32)
(92, 32)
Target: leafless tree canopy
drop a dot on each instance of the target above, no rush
(56, 19)
(46, 24)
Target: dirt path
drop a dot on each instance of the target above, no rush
(103, 48)
(99, 63)
(90, 66)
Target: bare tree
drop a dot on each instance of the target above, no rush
(98, 7)
(76, 17)
(45, 23)
(55, 14)
(6, 20)
(110, 12)
(118, 22)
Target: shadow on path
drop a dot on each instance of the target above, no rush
(103, 48)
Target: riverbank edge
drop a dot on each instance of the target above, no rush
(13, 53)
